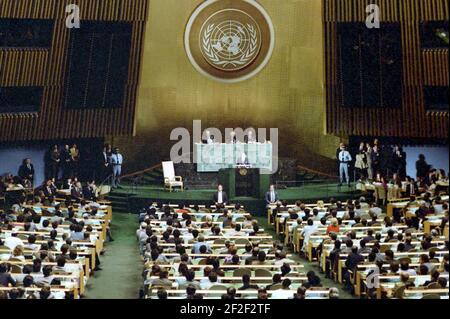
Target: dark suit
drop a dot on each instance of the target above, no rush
(422, 168)
(410, 189)
(399, 163)
(89, 193)
(353, 260)
(76, 193)
(66, 163)
(26, 172)
(224, 197)
(338, 150)
(49, 191)
(105, 165)
(268, 201)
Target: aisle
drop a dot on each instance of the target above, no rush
(121, 274)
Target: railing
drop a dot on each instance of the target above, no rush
(142, 172)
(324, 187)
(312, 171)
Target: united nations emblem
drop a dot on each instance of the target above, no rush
(243, 172)
(229, 41)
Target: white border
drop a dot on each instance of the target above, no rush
(245, 77)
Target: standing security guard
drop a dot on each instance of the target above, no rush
(116, 161)
(344, 160)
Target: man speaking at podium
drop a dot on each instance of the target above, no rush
(220, 197)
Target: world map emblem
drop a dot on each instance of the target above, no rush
(231, 44)
(229, 40)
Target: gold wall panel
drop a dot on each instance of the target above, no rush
(420, 68)
(47, 67)
(288, 94)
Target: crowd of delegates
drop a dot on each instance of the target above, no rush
(186, 235)
(335, 222)
(58, 247)
(50, 189)
(433, 182)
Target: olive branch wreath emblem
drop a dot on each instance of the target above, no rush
(215, 59)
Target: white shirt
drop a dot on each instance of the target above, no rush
(206, 284)
(117, 159)
(282, 294)
(12, 242)
(219, 197)
(344, 156)
(272, 196)
(376, 210)
(410, 272)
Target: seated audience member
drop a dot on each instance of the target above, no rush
(246, 284)
(313, 280)
(284, 292)
(5, 277)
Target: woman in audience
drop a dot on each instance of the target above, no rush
(17, 253)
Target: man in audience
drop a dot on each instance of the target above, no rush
(276, 280)
(190, 280)
(77, 192)
(162, 281)
(211, 281)
(284, 292)
(246, 284)
(13, 241)
(201, 242)
(5, 277)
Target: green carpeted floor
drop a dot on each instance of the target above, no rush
(121, 263)
(308, 192)
(122, 266)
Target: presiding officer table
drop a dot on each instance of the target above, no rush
(214, 157)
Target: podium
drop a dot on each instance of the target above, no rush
(244, 182)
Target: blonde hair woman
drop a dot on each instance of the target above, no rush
(18, 253)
